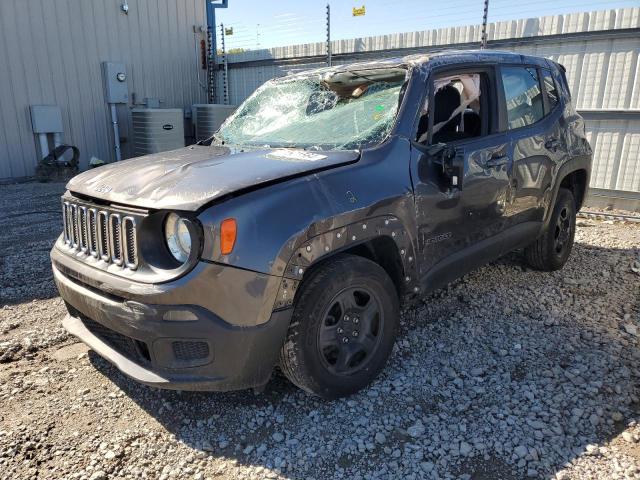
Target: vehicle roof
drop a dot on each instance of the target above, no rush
(499, 56)
(424, 60)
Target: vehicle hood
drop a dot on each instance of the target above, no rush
(188, 178)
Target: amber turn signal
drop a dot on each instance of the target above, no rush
(228, 231)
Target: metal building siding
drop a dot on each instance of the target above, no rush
(628, 177)
(51, 53)
(601, 74)
(616, 146)
(605, 76)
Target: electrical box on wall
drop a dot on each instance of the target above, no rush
(115, 82)
(46, 119)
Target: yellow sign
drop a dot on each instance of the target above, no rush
(359, 12)
(228, 31)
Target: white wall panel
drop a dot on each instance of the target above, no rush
(628, 177)
(605, 139)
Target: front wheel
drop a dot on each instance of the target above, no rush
(551, 250)
(343, 327)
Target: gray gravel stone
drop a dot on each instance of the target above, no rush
(465, 449)
(502, 374)
(521, 451)
(416, 430)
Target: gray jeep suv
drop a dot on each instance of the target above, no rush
(325, 202)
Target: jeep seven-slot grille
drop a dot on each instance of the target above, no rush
(102, 234)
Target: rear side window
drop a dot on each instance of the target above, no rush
(549, 88)
(522, 95)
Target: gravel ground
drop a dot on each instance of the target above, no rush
(508, 373)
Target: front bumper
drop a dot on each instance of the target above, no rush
(204, 353)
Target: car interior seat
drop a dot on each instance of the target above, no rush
(446, 101)
(471, 122)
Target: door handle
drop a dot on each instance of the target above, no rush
(497, 161)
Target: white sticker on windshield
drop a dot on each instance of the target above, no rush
(295, 155)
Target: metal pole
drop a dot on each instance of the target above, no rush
(328, 35)
(225, 71)
(483, 41)
(116, 131)
(211, 63)
(211, 6)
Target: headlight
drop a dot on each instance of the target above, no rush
(177, 236)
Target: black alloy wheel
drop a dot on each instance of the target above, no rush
(351, 331)
(563, 230)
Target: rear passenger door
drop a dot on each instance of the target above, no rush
(532, 114)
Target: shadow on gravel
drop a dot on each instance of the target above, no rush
(510, 373)
(30, 222)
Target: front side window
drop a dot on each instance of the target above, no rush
(341, 110)
(522, 95)
(457, 109)
(549, 88)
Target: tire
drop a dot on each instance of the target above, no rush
(552, 249)
(348, 297)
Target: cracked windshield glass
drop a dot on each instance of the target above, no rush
(342, 110)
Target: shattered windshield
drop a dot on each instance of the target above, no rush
(343, 110)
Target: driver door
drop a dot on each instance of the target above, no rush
(461, 176)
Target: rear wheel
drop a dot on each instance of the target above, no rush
(343, 327)
(551, 250)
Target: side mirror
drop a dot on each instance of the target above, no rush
(452, 161)
(448, 162)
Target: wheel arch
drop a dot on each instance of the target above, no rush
(574, 174)
(576, 182)
(383, 240)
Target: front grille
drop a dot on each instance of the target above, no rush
(92, 223)
(134, 350)
(189, 350)
(100, 233)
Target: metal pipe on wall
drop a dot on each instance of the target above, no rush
(116, 131)
(44, 144)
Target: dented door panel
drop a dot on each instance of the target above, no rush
(452, 219)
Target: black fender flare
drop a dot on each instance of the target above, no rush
(321, 246)
(582, 162)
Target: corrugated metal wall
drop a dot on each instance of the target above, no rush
(599, 49)
(51, 53)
